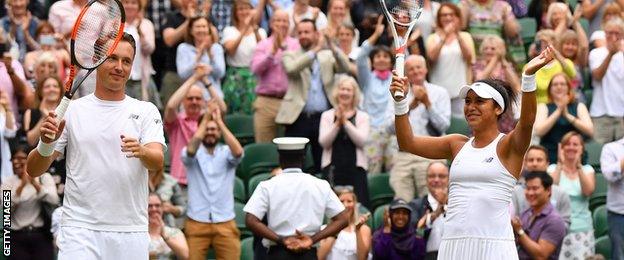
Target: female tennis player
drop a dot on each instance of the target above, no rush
(485, 167)
(110, 141)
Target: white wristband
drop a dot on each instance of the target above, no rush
(401, 107)
(45, 149)
(528, 83)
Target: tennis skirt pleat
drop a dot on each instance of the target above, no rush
(477, 249)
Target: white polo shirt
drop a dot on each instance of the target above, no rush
(294, 200)
(608, 94)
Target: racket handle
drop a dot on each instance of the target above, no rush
(60, 113)
(399, 68)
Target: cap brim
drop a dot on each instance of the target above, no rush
(477, 88)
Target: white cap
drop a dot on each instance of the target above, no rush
(597, 35)
(483, 90)
(291, 143)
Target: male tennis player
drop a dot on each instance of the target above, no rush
(110, 141)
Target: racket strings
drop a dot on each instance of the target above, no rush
(98, 30)
(404, 12)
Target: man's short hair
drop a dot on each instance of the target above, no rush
(308, 20)
(539, 147)
(547, 181)
(129, 39)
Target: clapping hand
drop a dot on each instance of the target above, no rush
(362, 220)
(516, 223)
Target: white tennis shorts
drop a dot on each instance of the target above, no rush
(81, 243)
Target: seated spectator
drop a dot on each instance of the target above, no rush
(337, 16)
(488, 17)
(612, 166)
(578, 181)
(575, 48)
(354, 241)
(7, 131)
(240, 41)
(140, 85)
(492, 63)
(21, 26)
(343, 132)
(48, 95)
(13, 82)
(543, 76)
(607, 70)
(200, 48)
(345, 37)
(540, 229)
(302, 10)
(267, 66)
(429, 115)
(171, 195)
(180, 126)
(397, 239)
(538, 10)
(536, 160)
(430, 210)
(561, 115)
(50, 42)
(451, 50)
(29, 238)
(211, 171)
(165, 241)
(374, 65)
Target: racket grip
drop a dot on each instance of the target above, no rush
(60, 113)
(399, 68)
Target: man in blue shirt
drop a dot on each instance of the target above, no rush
(210, 173)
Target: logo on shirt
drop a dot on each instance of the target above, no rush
(157, 121)
(488, 160)
(133, 116)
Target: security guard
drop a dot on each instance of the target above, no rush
(295, 204)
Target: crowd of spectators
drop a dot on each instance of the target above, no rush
(321, 70)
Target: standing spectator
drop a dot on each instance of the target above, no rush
(180, 126)
(540, 229)
(345, 37)
(450, 50)
(172, 198)
(578, 181)
(21, 26)
(211, 170)
(374, 65)
(430, 210)
(7, 131)
(594, 11)
(240, 41)
(141, 85)
(397, 239)
(292, 230)
(488, 17)
(63, 15)
(607, 70)
(165, 240)
(156, 11)
(48, 41)
(492, 63)
(267, 66)
(201, 48)
(611, 11)
(337, 15)
(427, 19)
(612, 166)
(13, 81)
(343, 132)
(538, 10)
(561, 115)
(430, 115)
(311, 76)
(29, 238)
(536, 160)
(301, 10)
(575, 47)
(354, 241)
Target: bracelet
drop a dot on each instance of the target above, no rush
(45, 149)
(528, 83)
(401, 107)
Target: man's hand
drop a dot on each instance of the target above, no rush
(50, 128)
(516, 224)
(202, 70)
(299, 242)
(132, 147)
(420, 94)
(167, 207)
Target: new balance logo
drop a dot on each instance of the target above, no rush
(488, 160)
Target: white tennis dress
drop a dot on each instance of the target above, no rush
(478, 224)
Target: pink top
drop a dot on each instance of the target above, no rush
(268, 68)
(63, 15)
(6, 85)
(180, 132)
(358, 134)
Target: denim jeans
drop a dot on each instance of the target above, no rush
(616, 234)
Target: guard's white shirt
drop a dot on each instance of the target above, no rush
(294, 200)
(106, 191)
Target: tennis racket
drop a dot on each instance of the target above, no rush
(403, 13)
(96, 33)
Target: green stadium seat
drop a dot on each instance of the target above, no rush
(242, 126)
(247, 249)
(378, 217)
(596, 200)
(258, 158)
(601, 227)
(585, 24)
(240, 220)
(528, 29)
(239, 190)
(601, 184)
(254, 181)
(603, 246)
(458, 126)
(379, 189)
(211, 255)
(593, 150)
(573, 4)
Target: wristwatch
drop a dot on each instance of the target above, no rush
(521, 232)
